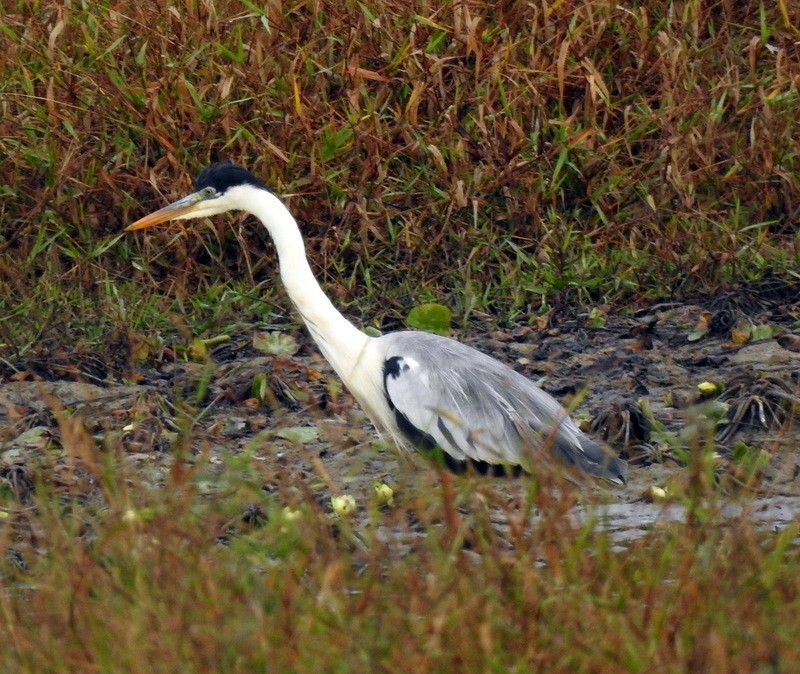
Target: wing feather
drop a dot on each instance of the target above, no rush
(446, 394)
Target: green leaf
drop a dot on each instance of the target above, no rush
(752, 459)
(436, 43)
(299, 434)
(430, 317)
(259, 387)
(596, 318)
(762, 332)
(275, 343)
(697, 335)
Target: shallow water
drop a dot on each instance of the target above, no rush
(611, 363)
(630, 521)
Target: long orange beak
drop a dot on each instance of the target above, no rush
(175, 210)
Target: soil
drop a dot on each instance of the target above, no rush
(638, 375)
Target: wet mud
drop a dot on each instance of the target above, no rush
(659, 386)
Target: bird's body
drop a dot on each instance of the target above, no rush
(428, 392)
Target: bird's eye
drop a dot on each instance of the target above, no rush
(209, 192)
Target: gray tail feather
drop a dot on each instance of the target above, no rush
(593, 458)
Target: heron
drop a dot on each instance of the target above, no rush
(428, 392)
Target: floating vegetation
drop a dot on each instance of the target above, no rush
(623, 423)
(758, 402)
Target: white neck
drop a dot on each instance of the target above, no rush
(339, 340)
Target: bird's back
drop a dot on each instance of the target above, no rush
(444, 393)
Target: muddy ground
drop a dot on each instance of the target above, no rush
(289, 412)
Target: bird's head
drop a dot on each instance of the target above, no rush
(219, 188)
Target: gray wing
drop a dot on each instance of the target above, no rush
(448, 395)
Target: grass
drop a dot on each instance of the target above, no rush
(623, 153)
(497, 158)
(212, 573)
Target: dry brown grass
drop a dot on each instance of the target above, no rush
(591, 146)
(494, 153)
(185, 579)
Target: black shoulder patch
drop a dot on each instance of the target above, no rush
(224, 175)
(392, 367)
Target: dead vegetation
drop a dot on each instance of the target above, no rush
(590, 146)
(514, 160)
